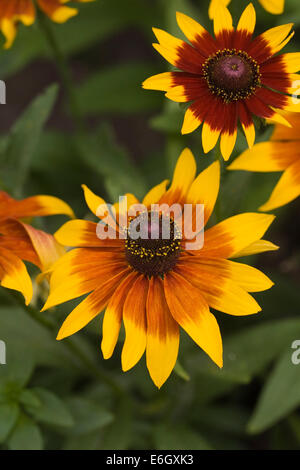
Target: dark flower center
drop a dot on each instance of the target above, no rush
(232, 74)
(153, 244)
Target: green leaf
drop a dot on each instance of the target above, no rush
(280, 394)
(23, 140)
(88, 416)
(52, 409)
(19, 366)
(22, 334)
(112, 163)
(178, 437)
(102, 92)
(26, 435)
(181, 372)
(29, 399)
(119, 433)
(9, 413)
(170, 121)
(248, 352)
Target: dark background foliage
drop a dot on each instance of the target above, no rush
(64, 395)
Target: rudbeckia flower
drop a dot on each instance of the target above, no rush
(14, 11)
(229, 78)
(156, 285)
(20, 242)
(281, 153)
(276, 7)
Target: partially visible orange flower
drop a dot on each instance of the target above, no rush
(157, 284)
(14, 11)
(276, 7)
(20, 242)
(281, 153)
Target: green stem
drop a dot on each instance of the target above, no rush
(64, 71)
(69, 343)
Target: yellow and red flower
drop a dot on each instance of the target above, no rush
(281, 153)
(276, 7)
(20, 242)
(14, 11)
(229, 78)
(157, 285)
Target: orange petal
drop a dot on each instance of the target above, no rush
(80, 271)
(134, 317)
(34, 206)
(235, 233)
(90, 307)
(190, 310)
(113, 316)
(85, 233)
(162, 334)
(56, 11)
(14, 274)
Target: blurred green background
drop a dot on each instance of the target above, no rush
(64, 395)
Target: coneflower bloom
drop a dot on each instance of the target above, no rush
(156, 284)
(281, 153)
(21, 242)
(276, 7)
(13, 12)
(229, 78)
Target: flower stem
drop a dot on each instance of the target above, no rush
(64, 71)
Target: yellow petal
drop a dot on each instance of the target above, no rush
(9, 30)
(113, 316)
(222, 20)
(14, 274)
(205, 189)
(168, 45)
(93, 201)
(189, 309)
(247, 20)
(209, 137)
(57, 12)
(155, 194)
(279, 119)
(250, 134)
(162, 335)
(275, 37)
(214, 6)
(190, 123)
(235, 233)
(189, 27)
(134, 317)
(219, 291)
(177, 94)
(286, 190)
(291, 62)
(265, 157)
(161, 81)
(227, 144)
(183, 177)
(275, 7)
(85, 233)
(260, 246)
(90, 307)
